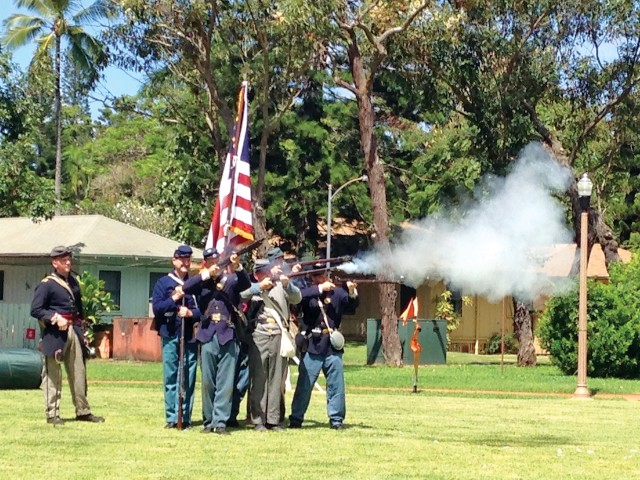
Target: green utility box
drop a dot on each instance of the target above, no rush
(433, 338)
(20, 368)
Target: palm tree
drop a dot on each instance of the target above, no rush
(54, 21)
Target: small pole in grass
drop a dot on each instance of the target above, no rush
(502, 321)
(416, 348)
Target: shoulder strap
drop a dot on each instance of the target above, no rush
(176, 279)
(181, 282)
(274, 306)
(63, 284)
(324, 315)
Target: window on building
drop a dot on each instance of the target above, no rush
(1, 284)
(153, 278)
(456, 299)
(112, 283)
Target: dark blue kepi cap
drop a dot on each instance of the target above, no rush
(210, 252)
(183, 251)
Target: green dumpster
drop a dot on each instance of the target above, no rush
(432, 337)
(374, 342)
(20, 368)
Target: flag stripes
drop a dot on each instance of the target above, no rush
(232, 218)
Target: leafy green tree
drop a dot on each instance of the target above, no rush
(613, 325)
(52, 22)
(11, 125)
(120, 170)
(358, 36)
(317, 143)
(209, 47)
(523, 71)
(22, 191)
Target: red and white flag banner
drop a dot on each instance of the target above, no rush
(411, 312)
(232, 218)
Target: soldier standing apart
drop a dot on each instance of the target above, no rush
(57, 304)
(219, 351)
(323, 305)
(267, 368)
(171, 307)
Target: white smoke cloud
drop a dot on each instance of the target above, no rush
(491, 249)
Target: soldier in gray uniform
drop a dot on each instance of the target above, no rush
(269, 298)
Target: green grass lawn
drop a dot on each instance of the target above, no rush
(463, 424)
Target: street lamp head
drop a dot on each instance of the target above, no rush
(585, 185)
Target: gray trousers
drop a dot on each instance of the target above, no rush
(76, 374)
(267, 371)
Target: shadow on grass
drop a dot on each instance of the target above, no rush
(313, 424)
(529, 441)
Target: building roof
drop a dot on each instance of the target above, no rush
(88, 235)
(562, 260)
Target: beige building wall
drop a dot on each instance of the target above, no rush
(480, 320)
(355, 326)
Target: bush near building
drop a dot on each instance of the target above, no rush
(613, 330)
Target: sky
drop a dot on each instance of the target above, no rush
(116, 82)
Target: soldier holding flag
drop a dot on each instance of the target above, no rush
(220, 292)
(231, 228)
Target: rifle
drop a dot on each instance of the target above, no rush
(181, 372)
(346, 258)
(226, 260)
(310, 272)
(367, 280)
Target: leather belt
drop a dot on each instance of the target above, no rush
(267, 321)
(73, 317)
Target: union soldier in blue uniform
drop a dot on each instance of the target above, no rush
(218, 337)
(323, 305)
(171, 307)
(57, 304)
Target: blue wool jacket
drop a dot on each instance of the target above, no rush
(165, 310)
(334, 302)
(218, 297)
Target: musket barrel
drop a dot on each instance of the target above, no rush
(367, 280)
(309, 272)
(346, 258)
(226, 260)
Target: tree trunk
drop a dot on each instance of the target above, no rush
(605, 238)
(523, 330)
(378, 193)
(58, 114)
(259, 218)
(260, 229)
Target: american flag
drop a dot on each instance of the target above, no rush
(232, 219)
